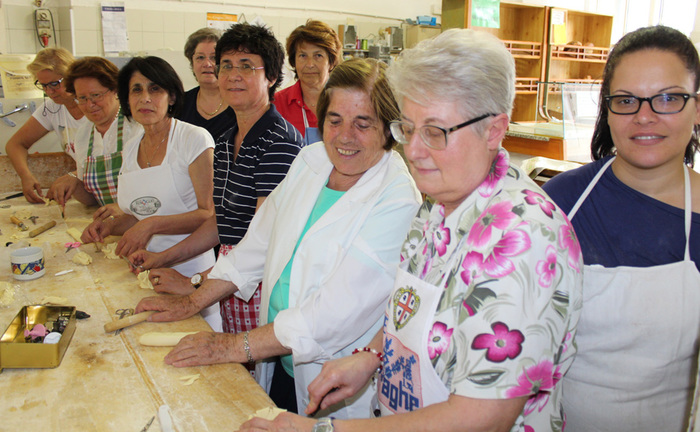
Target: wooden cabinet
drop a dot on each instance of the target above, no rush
(538, 37)
(578, 46)
(524, 31)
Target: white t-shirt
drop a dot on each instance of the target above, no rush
(99, 148)
(55, 117)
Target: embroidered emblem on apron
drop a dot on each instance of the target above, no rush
(145, 206)
(406, 304)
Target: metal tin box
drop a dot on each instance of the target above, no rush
(16, 353)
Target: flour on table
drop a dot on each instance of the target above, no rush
(54, 300)
(7, 293)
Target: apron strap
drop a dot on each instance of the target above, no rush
(589, 188)
(303, 113)
(688, 211)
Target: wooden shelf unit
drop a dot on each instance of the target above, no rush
(524, 33)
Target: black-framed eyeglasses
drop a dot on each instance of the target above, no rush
(663, 103)
(245, 69)
(53, 85)
(434, 137)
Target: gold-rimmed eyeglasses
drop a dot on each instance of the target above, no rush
(94, 98)
(245, 69)
(434, 137)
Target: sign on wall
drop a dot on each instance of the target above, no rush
(221, 21)
(114, 36)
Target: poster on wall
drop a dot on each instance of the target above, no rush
(220, 21)
(486, 13)
(114, 36)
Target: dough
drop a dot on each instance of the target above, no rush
(54, 300)
(7, 293)
(48, 202)
(144, 281)
(97, 281)
(162, 339)
(108, 250)
(268, 413)
(189, 379)
(82, 258)
(73, 232)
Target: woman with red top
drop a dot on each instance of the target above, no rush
(313, 50)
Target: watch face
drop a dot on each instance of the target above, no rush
(323, 425)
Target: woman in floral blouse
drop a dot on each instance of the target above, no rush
(479, 329)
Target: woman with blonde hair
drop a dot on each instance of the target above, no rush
(60, 114)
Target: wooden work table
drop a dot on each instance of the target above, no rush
(107, 382)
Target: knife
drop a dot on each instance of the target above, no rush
(14, 195)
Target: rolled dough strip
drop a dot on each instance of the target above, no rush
(162, 339)
(73, 232)
(267, 413)
(189, 379)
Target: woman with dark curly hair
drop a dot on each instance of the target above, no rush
(313, 50)
(635, 212)
(204, 105)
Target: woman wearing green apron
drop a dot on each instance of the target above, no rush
(99, 144)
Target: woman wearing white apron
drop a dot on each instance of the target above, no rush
(640, 325)
(165, 184)
(478, 330)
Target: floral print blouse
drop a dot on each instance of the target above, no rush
(511, 269)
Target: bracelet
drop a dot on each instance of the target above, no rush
(246, 347)
(72, 174)
(379, 355)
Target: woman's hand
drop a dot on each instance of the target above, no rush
(284, 422)
(339, 379)
(63, 188)
(108, 211)
(135, 238)
(31, 188)
(169, 281)
(204, 348)
(147, 260)
(97, 231)
(169, 308)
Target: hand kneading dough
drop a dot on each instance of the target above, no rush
(144, 281)
(82, 258)
(268, 413)
(108, 250)
(73, 232)
(162, 339)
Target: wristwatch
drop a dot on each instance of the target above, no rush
(196, 280)
(324, 424)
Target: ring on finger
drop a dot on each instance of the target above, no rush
(156, 280)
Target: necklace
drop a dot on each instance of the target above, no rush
(199, 106)
(153, 155)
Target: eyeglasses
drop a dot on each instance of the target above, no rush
(245, 69)
(434, 137)
(664, 103)
(202, 58)
(53, 85)
(95, 97)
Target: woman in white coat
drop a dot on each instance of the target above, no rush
(324, 244)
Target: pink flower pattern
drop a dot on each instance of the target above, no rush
(499, 169)
(536, 381)
(568, 241)
(473, 265)
(534, 198)
(499, 215)
(502, 344)
(547, 268)
(438, 339)
(441, 238)
(513, 243)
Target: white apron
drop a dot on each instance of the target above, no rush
(407, 324)
(149, 192)
(637, 343)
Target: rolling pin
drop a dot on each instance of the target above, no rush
(128, 321)
(19, 223)
(36, 231)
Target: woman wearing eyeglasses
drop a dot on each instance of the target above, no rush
(99, 144)
(632, 209)
(60, 114)
(477, 331)
(204, 105)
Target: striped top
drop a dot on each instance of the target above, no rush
(263, 160)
